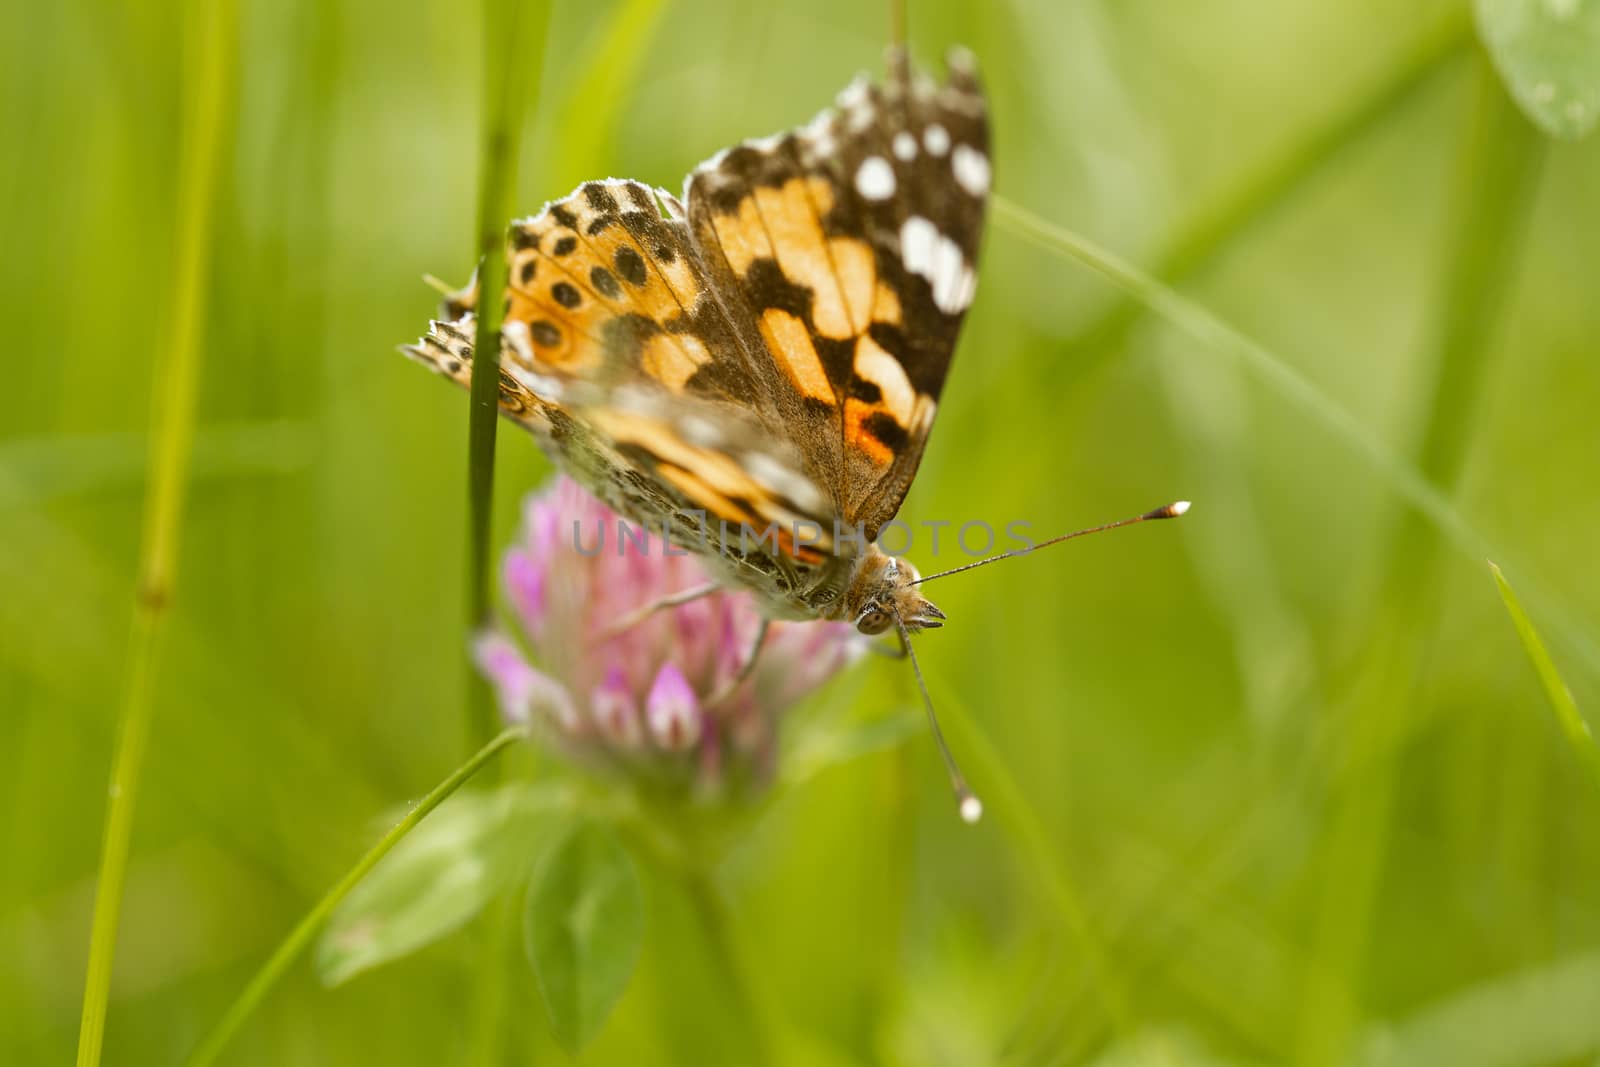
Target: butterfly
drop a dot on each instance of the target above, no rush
(765, 354)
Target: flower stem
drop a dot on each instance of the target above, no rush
(207, 92)
(307, 928)
(513, 43)
(716, 920)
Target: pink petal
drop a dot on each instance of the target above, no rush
(672, 710)
(522, 691)
(525, 584)
(614, 710)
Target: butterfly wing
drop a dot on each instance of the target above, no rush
(849, 248)
(629, 374)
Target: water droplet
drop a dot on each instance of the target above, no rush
(1576, 110)
(1562, 9)
(1544, 92)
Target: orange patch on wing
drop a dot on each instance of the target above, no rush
(791, 346)
(802, 253)
(838, 271)
(698, 492)
(897, 402)
(742, 236)
(886, 305)
(672, 360)
(856, 271)
(859, 437)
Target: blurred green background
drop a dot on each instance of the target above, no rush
(1275, 784)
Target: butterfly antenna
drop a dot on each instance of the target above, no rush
(1169, 511)
(970, 806)
(439, 285)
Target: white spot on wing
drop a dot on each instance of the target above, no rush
(905, 146)
(778, 477)
(545, 388)
(516, 334)
(936, 139)
(917, 239)
(930, 254)
(698, 431)
(971, 168)
(854, 93)
(875, 178)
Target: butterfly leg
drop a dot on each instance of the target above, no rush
(745, 668)
(673, 600)
(878, 648)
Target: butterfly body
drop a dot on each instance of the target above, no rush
(754, 370)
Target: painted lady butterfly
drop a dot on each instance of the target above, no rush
(765, 354)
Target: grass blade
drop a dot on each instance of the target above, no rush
(307, 928)
(1219, 336)
(513, 38)
(1572, 723)
(208, 90)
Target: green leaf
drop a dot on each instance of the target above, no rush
(440, 876)
(582, 929)
(1571, 720)
(1548, 52)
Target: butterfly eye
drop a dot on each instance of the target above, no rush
(874, 621)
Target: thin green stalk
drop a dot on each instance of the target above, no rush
(308, 927)
(1218, 336)
(207, 94)
(716, 922)
(1568, 717)
(489, 1015)
(1497, 181)
(513, 45)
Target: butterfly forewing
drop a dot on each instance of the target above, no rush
(850, 247)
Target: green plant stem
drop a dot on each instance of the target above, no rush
(513, 42)
(307, 928)
(1497, 179)
(1568, 717)
(488, 1026)
(716, 921)
(207, 95)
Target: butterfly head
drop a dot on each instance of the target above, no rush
(884, 587)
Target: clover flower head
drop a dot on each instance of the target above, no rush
(653, 699)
